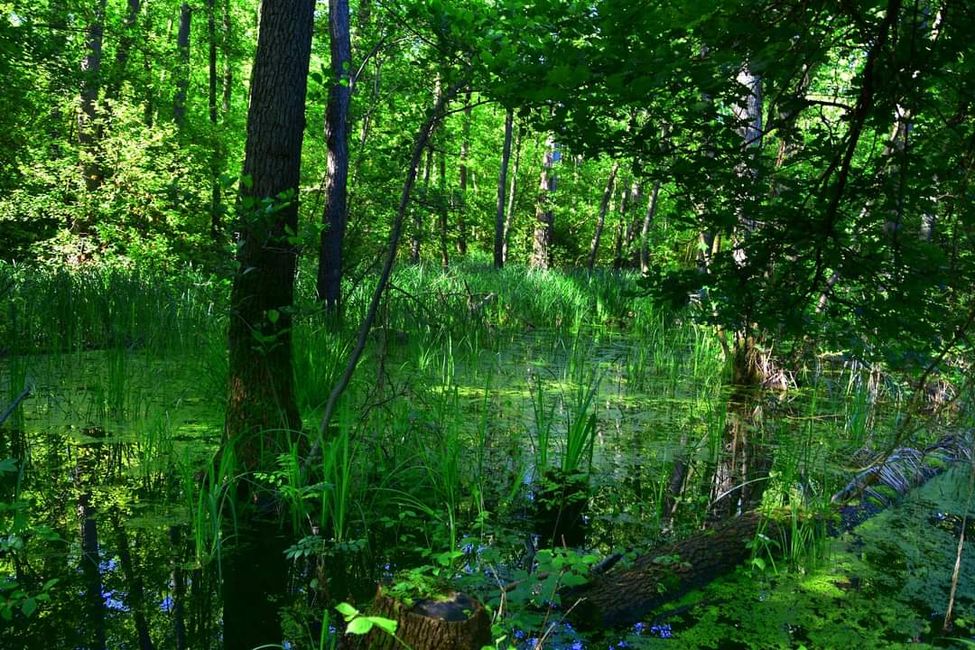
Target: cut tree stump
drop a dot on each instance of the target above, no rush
(454, 622)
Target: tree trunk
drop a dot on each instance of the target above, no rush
(544, 217)
(465, 149)
(499, 220)
(601, 218)
(417, 236)
(125, 43)
(228, 68)
(183, 65)
(337, 138)
(215, 162)
(134, 585)
(456, 622)
(621, 228)
(261, 397)
(645, 229)
(94, 601)
(512, 192)
(442, 208)
(88, 132)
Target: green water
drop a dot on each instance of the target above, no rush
(447, 444)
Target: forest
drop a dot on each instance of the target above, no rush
(487, 324)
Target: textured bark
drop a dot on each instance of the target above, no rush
(601, 218)
(457, 622)
(261, 376)
(88, 132)
(261, 382)
(337, 139)
(544, 217)
(623, 597)
(183, 66)
(499, 219)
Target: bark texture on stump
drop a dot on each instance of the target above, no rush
(457, 622)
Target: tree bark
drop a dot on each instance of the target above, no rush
(512, 195)
(457, 622)
(499, 220)
(601, 218)
(465, 149)
(645, 229)
(125, 43)
(442, 207)
(261, 402)
(337, 139)
(88, 132)
(228, 68)
(216, 158)
(544, 216)
(183, 65)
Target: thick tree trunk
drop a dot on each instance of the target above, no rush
(457, 622)
(183, 66)
(601, 218)
(499, 220)
(541, 257)
(261, 378)
(88, 132)
(337, 139)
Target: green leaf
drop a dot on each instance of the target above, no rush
(347, 610)
(28, 607)
(273, 315)
(386, 624)
(360, 625)
(573, 580)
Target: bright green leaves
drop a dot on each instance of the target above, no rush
(358, 623)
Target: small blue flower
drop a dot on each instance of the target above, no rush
(639, 627)
(167, 604)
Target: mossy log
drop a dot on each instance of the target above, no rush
(454, 622)
(623, 597)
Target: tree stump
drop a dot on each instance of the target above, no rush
(454, 622)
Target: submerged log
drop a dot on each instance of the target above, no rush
(623, 597)
(454, 622)
(627, 595)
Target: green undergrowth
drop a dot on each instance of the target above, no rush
(885, 584)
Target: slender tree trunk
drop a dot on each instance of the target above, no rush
(337, 138)
(261, 406)
(88, 132)
(645, 229)
(216, 157)
(499, 220)
(544, 216)
(442, 208)
(417, 237)
(621, 228)
(633, 225)
(183, 66)
(512, 192)
(94, 602)
(126, 40)
(465, 149)
(228, 67)
(134, 584)
(601, 218)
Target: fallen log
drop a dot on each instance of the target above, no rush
(624, 596)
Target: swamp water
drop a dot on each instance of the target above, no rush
(443, 463)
